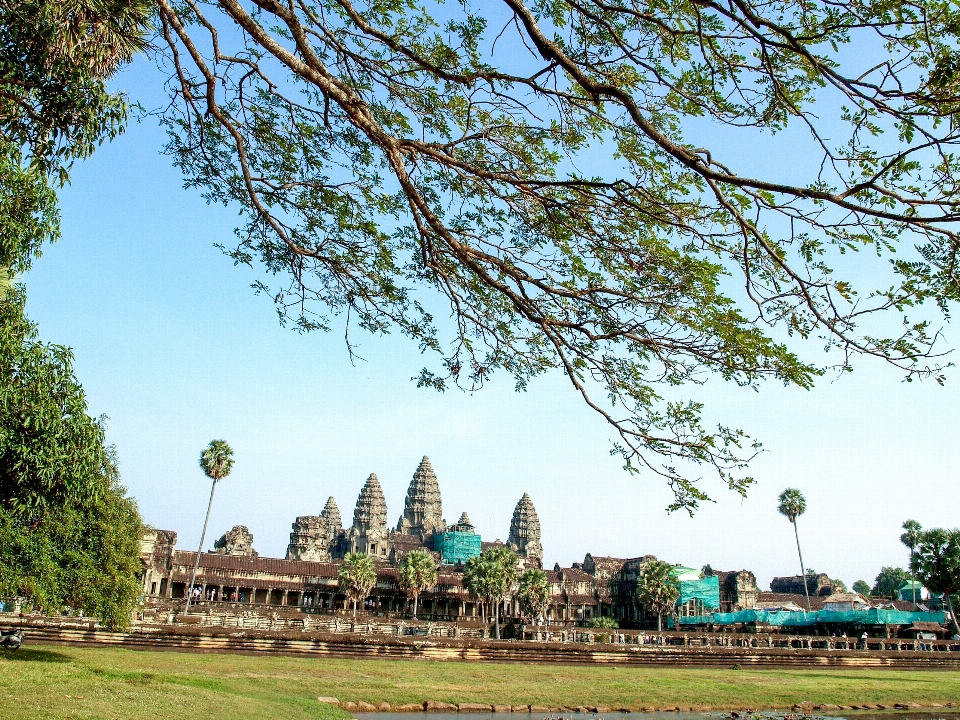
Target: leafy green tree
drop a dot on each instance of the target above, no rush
(838, 585)
(491, 577)
(78, 556)
(603, 621)
(888, 581)
(533, 593)
(792, 504)
(56, 57)
(356, 577)
(417, 572)
(861, 587)
(216, 461)
(936, 563)
(69, 535)
(658, 589)
(910, 537)
(544, 172)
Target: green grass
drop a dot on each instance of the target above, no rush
(77, 682)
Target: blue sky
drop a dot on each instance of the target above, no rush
(172, 344)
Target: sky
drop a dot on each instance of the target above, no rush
(172, 344)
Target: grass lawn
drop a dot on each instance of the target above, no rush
(76, 682)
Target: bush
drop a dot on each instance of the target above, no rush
(604, 622)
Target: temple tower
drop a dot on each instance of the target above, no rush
(369, 532)
(237, 541)
(423, 507)
(524, 538)
(309, 539)
(463, 524)
(331, 516)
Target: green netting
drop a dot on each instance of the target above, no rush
(458, 546)
(706, 590)
(785, 618)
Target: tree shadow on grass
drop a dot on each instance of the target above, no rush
(34, 655)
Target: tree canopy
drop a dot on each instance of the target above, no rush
(491, 577)
(69, 535)
(216, 460)
(533, 593)
(658, 589)
(417, 573)
(936, 563)
(888, 581)
(356, 577)
(574, 184)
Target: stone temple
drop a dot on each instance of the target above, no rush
(320, 538)
(306, 580)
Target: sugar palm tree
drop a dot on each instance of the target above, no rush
(533, 593)
(792, 505)
(7, 280)
(356, 577)
(491, 577)
(910, 538)
(936, 563)
(418, 572)
(476, 579)
(216, 460)
(657, 589)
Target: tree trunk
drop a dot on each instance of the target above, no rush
(803, 569)
(415, 598)
(203, 535)
(354, 608)
(659, 622)
(496, 620)
(953, 617)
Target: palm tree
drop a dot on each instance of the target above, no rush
(936, 562)
(793, 504)
(658, 589)
(418, 572)
(216, 460)
(476, 578)
(7, 281)
(533, 593)
(910, 538)
(491, 577)
(356, 577)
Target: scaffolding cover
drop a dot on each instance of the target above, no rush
(458, 546)
(786, 618)
(707, 590)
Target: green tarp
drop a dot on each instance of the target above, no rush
(785, 618)
(457, 546)
(707, 590)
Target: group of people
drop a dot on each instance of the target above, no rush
(211, 595)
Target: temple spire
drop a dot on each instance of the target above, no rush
(423, 507)
(524, 538)
(331, 513)
(370, 514)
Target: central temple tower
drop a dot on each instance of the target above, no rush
(524, 538)
(423, 507)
